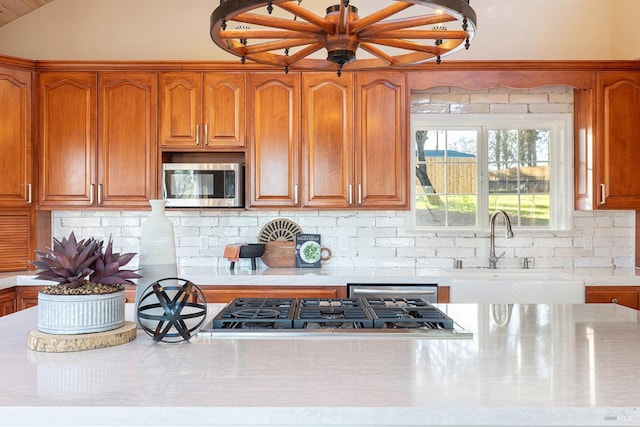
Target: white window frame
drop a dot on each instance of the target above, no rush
(560, 158)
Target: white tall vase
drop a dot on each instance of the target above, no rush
(157, 249)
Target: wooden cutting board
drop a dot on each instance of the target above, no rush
(59, 343)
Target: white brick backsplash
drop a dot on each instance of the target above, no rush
(395, 242)
(450, 98)
(489, 98)
(529, 98)
(549, 108)
(469, 109)
(509, 108)
(372, 245)
(411, 252)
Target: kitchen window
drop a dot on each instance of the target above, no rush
(468, 166)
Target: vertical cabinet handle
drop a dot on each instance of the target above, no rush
(350, 194)
(198, 135)
(29, 194)
(359, 194)
(99, 194)
(603, 194)
(206, 134)
(295, 194)
(93, 188)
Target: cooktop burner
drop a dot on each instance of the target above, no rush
(408, 313)
(320, 313)
(256, 313)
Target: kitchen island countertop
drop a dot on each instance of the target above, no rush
(525, 365)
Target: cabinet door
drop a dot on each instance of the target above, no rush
(224, 110)
(616, 148)
(27, 296)
(67, 138)
(327, 140)
(7, 302)
(180, 110)
(381, 146)
(127, 154)
(274, 139)
(15, 138)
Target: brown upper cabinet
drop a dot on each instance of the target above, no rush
(97, 139)
(323, 141)
(607, 130)
(202, 111)
(618, 131)
(327, 140)
(381, 165)
(17, 200)
(274, 139)
(16, 177)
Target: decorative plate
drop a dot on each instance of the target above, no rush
(280, 229)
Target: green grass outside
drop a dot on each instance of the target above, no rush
(532, 208)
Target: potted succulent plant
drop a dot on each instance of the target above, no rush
(89, 296)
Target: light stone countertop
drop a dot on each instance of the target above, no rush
(542, 365)
(331, 276)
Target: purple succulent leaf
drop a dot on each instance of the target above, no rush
(125, 258)
(76, 282)
(129, 274)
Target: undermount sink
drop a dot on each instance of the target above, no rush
(508, 286)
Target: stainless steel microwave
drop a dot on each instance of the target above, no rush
(203, 184)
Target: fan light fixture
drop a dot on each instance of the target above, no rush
(290, 33)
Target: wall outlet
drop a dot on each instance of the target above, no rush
(587, 243)
(204, 242)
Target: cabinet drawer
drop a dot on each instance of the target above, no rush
(225, 294)
(628, 296)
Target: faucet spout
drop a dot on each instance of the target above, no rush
(493, 258)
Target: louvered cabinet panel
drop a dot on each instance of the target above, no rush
(15, 238)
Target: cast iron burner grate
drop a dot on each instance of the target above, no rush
(330, 313)
(256, 313)
(407, 313)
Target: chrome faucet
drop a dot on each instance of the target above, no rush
(493, 259)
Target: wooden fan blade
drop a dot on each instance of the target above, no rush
(403, 44)
(378, 16)
(312, 48)
(268, 34)
(275, 45)
(377, 52)
(399, 24)
(274, 22)
(421, 34)
(308, 16)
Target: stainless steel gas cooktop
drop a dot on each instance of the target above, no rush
(344, 317)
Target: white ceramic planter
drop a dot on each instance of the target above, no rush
(80, 314)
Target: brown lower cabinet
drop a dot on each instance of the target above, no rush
(27, 296)
(7, 302)
(628, 296)
(23, 297)
(224, 294)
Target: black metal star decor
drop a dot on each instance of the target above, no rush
(172, 310)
